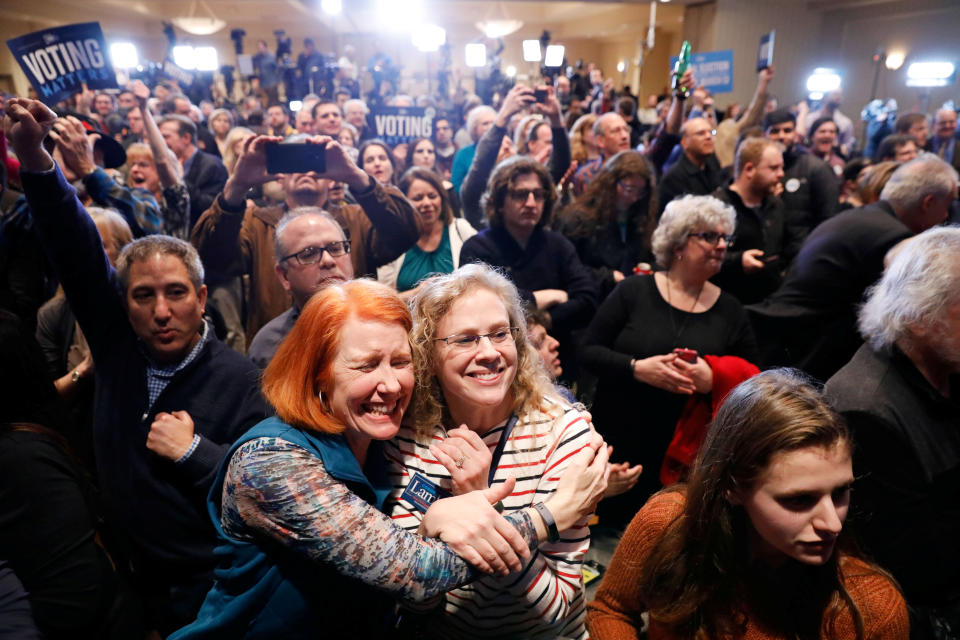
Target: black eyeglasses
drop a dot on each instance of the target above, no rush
(521, 195)
(313, 255)
(467, 341)
(714, 237)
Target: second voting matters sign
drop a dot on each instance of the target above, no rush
(60, 60)
(712, 69)
(402, 124)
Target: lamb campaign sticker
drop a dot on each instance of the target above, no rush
(402, 124)
(421, 493)
(60, 60)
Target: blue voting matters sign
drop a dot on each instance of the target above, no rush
(402, 124)
(58, 61)
(713, 69)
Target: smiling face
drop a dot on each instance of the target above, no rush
(164, 309)
(476, 380)
(424, 155)
(376, 162)
(798, 504)
(426, 201)
(824, 138)
(372, 379)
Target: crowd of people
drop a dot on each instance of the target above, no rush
(392, 397)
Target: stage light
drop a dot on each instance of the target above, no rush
(429, 37)
(124, 55)
(206, 58)
(511, 71)
(494, 29)
(332, 7)
(894, 60)
(554, 55)
(531, 51)
(476, 54)
(822, 81)
(296, 105)
(185, 57)
(930, 74)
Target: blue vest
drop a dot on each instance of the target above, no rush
(263, 590)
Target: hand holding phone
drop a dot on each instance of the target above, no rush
(298, 157)
(687, 355)
(540, 95)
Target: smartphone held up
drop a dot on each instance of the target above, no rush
(296, 157)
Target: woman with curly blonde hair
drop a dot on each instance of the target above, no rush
(477, 372)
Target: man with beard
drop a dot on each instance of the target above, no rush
(698, 171)
(810, 190)
(899, 394)
(764, 243)
(235, 237)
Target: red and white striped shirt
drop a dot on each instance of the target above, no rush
(546, 598)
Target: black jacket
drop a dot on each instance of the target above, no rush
(906, 505)
(810, 321)
(811, 193)
(548, 262)
(768, 232)
(204, 181)
(686, 178)
(158, 507)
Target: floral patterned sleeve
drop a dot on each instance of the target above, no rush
(278, 489)
(176, 211)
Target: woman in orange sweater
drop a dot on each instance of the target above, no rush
(752, 546)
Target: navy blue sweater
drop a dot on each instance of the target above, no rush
(157, 506)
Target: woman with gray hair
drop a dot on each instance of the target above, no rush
(647, 341)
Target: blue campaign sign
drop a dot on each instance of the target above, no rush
(713, 69)
(402, 124)
(58, 61)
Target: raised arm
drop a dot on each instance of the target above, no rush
(168, 169)
(66, 231)
(488, 151)
(754, 112)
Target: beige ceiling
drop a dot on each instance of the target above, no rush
(564, 19)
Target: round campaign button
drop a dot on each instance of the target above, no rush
(792, 185)
(837, 169)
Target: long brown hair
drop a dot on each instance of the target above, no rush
(698, 579)
(598, 204)
(432, 179)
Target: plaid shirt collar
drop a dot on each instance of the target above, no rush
(158, 377)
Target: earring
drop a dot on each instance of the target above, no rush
(323, 400)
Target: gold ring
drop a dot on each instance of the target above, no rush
(459, 462)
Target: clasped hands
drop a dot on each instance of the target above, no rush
(671, 373)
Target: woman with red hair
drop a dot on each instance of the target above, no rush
(306, 551)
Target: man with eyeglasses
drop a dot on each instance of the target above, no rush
(811, 192)
(235, 237)
(542, 263)
(698, 171)
(312, 253)
(765, 244)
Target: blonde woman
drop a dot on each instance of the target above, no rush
(583, 145)
(484, 412)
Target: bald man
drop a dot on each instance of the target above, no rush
(698, 171)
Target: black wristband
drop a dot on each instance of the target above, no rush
(553, 534)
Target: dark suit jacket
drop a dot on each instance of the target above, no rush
(204, 181)
(687, 178)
